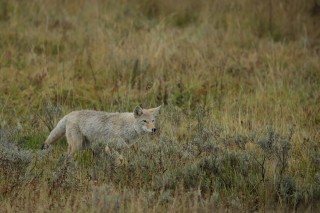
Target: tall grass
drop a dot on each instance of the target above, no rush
(239, 82)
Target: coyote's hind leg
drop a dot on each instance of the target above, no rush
(74, 139)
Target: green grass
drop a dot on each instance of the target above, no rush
(239, 85)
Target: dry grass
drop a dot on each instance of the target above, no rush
(240, 86)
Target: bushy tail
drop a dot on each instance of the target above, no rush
(56, 133)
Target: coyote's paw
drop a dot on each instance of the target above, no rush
(120, 161)
(107, 150)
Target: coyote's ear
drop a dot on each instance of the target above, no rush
(156, 111)
(137, 112)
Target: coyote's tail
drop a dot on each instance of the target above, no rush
(56, 133)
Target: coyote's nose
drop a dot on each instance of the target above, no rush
(154, 130)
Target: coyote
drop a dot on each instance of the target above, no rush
(85, 127)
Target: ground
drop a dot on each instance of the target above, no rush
(239, 85)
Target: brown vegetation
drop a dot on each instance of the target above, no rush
(240, 86)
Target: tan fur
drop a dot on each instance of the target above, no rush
(89, 126)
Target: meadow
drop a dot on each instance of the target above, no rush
(239, 85)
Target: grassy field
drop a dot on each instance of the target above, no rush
(239, 84)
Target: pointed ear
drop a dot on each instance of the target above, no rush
(156, 111)
(137, 112)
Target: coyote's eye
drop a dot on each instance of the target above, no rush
(145, 121)
(152, 121)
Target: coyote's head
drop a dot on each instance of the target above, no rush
(145, 119)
